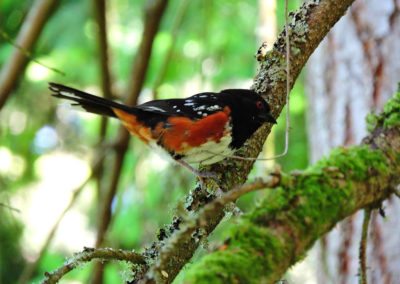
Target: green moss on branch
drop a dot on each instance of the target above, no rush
(286, 224)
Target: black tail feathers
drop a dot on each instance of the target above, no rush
(87, 101)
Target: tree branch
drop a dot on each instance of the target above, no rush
(28, 35)
(90, 254)
(99, 7)
(153, 15)
(286, 224)
(153, 18)
(176, 27)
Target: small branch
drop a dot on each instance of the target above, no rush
(9, 207)
(363, 246)
(28, 35)
(89, 254)
(378, 254)
(193, 226)
(174, 37)
(153, 16)
(99, 7)
(28, 54)
(271, 181)
(154, 12)
(105, 207)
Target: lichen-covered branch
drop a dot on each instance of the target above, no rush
(278, 233)
(89, 254)
(308, 27)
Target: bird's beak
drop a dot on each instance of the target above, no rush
(267, 117)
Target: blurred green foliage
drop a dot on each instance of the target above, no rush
(214, 49)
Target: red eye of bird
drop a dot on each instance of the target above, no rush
(259, 105)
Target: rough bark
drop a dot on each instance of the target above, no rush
(353, 72)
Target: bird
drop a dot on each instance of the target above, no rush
(202, 129)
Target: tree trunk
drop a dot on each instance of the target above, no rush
(353, 72)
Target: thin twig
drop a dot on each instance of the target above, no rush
(27, 53)
(288, 83)
(89, 254)
(10, 207)
(154, 13)
(363, 246)
(288, 87)
(378, 251)
(28, 35)
(99, 7)
(271, 181)
(176, 27)
(140, 67)
(153, 16)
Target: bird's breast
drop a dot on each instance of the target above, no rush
(181, 134)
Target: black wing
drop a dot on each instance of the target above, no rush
(194, 107)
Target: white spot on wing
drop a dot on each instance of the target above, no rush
(207, 96)
(214, 107)
(155, 108)
(203, 107)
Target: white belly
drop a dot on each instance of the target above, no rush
(210, 152)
